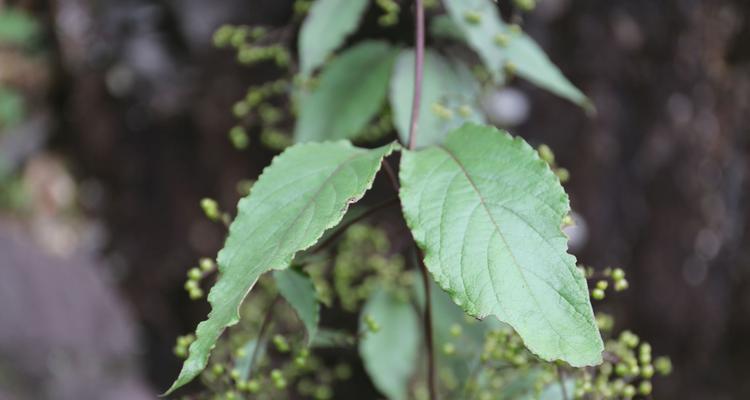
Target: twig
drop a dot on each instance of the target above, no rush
(429, 341)
(263, 328)
(561, 378)
(391, 176)
(416, 102)
(343, 227)
(418, 72)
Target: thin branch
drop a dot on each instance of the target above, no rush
(418, 72)
(429, 340)
(416, 102)
(263, 328)
(391, 176)
(343, 227)
(561, 378)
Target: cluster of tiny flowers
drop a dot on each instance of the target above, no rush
(194, 276)
(361, 265)
(253, 45)
(250, 45)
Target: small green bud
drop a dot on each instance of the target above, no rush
(621, 285)
(217, 369)
(501, 40)
(465, 111)
(602, 285)
(562, 174)
(510, 68)
(238, 36)
(645, 388)
(628, 391)
(622, 369)
(618, 274)
(191, 284)
(253, 386)
(647, 371)
(300, 361)
(239, 137)
(597, 294)
(525, 5)
(372, 325)
(281, 344)
(629, 339)
(323, 392)
(206, 264)
(211, 209)
(223, 35)
(343, 372)
(546, 154)
(258, 32)
(195, 274)
(449, 349)
(663, 365)
(442, 111)
(456, 330)
(240, 109)
(473, 17)
(568, 221)
(386, 20)
(234, 374)
(195, 294)
(514, 29)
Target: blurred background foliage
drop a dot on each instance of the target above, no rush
(114, 117)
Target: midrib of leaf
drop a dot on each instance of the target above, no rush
(499, 231)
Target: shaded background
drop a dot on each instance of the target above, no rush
(126, 132)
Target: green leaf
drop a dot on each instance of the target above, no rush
(325, 29)
(18, 27)
(304, 191)
(299, 292)
(390, 354)
(483, 28)
(449, 97)
(351, 91)
(12, 107)
(443, 26)
(486, 210)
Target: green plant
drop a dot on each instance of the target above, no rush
(486, 212)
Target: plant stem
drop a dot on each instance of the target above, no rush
(343, 227)
(263, 328)
(561, 378)
(415, 105)
(429, 341)
(418, 72)
(391, 176)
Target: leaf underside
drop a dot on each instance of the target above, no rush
(351, 91)
(325, 29)
(306, 190)
(521, 50)
(445, 83)
(299, 291)
(487, 212)
(390, 354)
